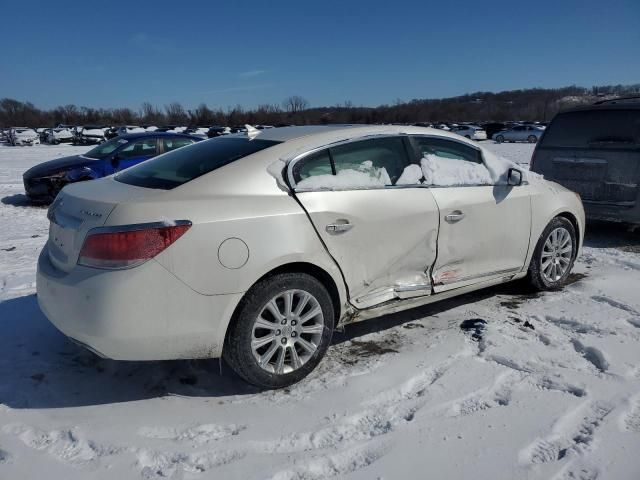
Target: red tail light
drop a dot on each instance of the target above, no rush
(128, 246)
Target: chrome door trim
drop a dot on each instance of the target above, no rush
(509, 271)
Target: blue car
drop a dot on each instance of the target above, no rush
(43, 182)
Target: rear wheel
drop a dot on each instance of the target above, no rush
(500, 138)
(532, 139)
(281, 330)
(554, 255)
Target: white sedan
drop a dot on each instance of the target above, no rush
(256, 247)
(23, 136)
(471, 132)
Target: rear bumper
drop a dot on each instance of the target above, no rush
(144, 313)
(613, 213)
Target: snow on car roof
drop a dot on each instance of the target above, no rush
(282, 134)
(305, 136)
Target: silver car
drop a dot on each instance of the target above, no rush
(520, 133)
(256, 247)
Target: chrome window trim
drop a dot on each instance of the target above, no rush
(297, 158)
(137, 226)
(293, 185)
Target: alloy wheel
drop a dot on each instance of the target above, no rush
(287, 332)
(556, 255)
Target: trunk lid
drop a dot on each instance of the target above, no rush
(77, 209)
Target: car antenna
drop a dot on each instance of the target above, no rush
(252, 132)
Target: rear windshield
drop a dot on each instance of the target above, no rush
(594, 129)
(184, 164)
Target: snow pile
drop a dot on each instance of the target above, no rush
(364, 175)
(411, 175)
(276, 169)
(449, 171)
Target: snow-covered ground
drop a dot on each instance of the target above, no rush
(500, 384)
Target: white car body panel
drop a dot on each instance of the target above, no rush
(492, 238)
(179, 304)
(404, 224)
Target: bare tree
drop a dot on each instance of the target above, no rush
(176, 113)
(151, 114)
(295, 104)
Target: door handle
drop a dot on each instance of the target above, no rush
(335, 228)
(454, 216)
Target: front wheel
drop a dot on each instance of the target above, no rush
(281, 330)
(532, 139)
(500, 139)
(553, 256)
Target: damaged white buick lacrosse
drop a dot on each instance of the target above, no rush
(255, 248)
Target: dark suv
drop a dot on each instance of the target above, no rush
(595, 151)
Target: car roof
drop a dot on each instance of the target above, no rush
(283, 134)
(304, 138)
(135, 136)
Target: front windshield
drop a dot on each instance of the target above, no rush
(106, 148)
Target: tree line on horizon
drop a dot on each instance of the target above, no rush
(534, 104)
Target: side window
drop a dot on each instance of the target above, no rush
(316, 164)
(448, 163)
(447, 149)
(383, 159)
(363, 164)
(139, 148)
(173, 143)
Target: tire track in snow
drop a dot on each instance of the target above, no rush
(497, 395)
(66, 445)
(156, 464)
(572, 434)
(592, 355)
(631, 418)
(199, 434)
(333, 465)
(380, 415)
(5, 457)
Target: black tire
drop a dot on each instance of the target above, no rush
(500, 139)
(532, 139)
(535, 274)
(237, 351)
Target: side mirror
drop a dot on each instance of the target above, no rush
(514, 177)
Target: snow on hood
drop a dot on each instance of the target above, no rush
(26, 133)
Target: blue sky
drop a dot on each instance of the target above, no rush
(117, 53)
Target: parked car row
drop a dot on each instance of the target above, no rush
(500, 132)
(44, 181)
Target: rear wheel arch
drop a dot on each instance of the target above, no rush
(299, 267)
